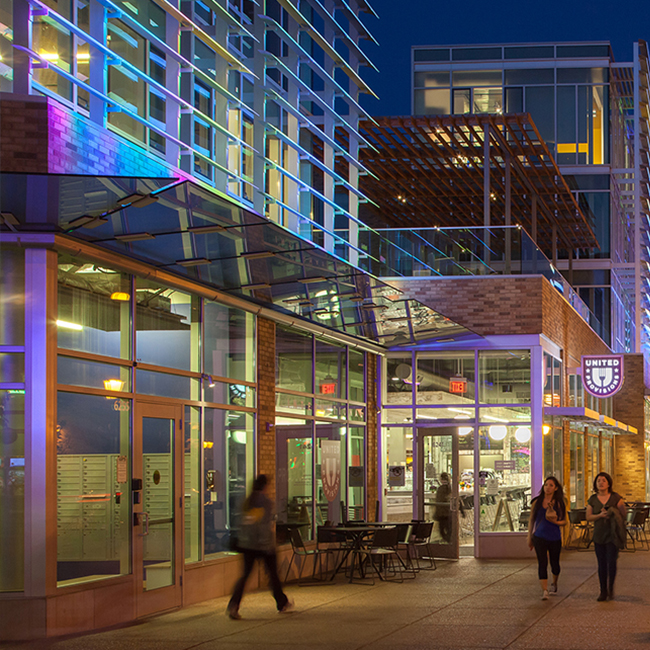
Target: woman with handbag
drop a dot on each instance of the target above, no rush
(547, 514)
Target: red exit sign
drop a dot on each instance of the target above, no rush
(458, 385)
(328, 389)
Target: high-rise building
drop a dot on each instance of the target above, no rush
(592, 112)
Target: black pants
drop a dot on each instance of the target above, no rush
(444, 524)
(547, 550)
(607, 554)
(271, 564)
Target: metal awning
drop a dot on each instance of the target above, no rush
(430, 171)
(183, 228)
(584, 415)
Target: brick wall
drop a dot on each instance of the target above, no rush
(266, 400)
(40, 135)
(629, 457)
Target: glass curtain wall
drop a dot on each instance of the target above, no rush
(12, 418)
(320, 431)
(123, 338)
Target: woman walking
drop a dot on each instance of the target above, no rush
(256, 540)
(547, 514)
(608, 512)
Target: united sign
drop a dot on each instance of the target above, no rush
(602, 376)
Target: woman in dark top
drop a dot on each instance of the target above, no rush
(547, 514)
(601, 508)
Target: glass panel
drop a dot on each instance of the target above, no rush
(504, 377)
(438, 477)
(167, 326)
(158, 383)
(399, 380)
(566, 125)
(504, 414)
(330, 369)
(431, 102)
(357, 376)
(525, 77)
(357, 413)
(228, 461)
(93, 511)
(447, 378)
(295, 404)
(6, 49)
(504, 477)
(476, 77)
(232, 394)
(12, 367)
(94, 309)
(593, 462)
(430, 79)
(600, 126)
(12, 489)
(540, 103)
(475, 53)
(431, 55)
(54, 43)
(158, 501)
(295, 474)
(514, 100)
(331, 478)
(328, 409)
(576, 478)
(12, 287)
(582, 75)
(461, 101)
(356, 471)
(79, 372)
(487, 100)
(558, 460)
(534, 52)
(450, 414)
(192, 483)
(293, 361)
(399, 473)
(229, 342)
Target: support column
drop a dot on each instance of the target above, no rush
(486, 194)
(508, 237)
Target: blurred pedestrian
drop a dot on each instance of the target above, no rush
(608, 512)
(547, 514)
(257, 540)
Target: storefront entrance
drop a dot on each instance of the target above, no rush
(157, 507)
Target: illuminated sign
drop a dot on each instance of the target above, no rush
(602, 376)
(328, 389)
(458, 385)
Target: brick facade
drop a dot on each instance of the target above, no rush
(266, 400)
(38, 136)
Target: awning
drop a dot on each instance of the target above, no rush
(583, 415)
(186, 229)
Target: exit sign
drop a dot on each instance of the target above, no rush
(328, 389)
(458, 385)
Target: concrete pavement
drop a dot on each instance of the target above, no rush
(465, 604)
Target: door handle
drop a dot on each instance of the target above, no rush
(145, 523)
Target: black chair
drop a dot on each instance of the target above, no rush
(380, 556)
(635, 528)
(421, 540)
(582, 529)
(300, 551)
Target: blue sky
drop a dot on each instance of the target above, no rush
(403, 23)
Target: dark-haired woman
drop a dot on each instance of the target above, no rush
(547, 514)
(608, 512)
(257, 540)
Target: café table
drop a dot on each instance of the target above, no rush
(354, 535)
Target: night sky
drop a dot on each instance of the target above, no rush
(403, 23)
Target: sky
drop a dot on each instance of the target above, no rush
(404, 23)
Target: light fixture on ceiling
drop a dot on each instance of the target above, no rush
(120, 296)
(464, 431)
(497, 432)
(522, 434)
(113, 384)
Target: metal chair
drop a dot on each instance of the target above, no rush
(636, 529)
(381, 554)
(299, 550)
(421, 539)
(582, 529)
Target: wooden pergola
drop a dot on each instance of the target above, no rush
(430, 171)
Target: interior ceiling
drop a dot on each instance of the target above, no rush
(429, 171)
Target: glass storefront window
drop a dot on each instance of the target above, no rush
(12, 489)
(576, 468)
(356, 471)
(192, 483)
(504, 376)
(504, 414)
(331, 479)
(228, 465)
(293, 404)
(167, 327)
(445, 378)
(399, 380)
(229, 342)
(593, 459)
(504, 480)
(357, 375)
(166, 385)
(79, 372)
(12, 367)
(94, 309)
(607, 451)
(93, 504)
(399, 472)
(446, 414)
(327, 409)
(12, 290)
(293, 369)
(232, 394)
(330, 370)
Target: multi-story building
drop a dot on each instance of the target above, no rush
(592, 113)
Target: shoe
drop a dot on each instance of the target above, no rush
(552, 589)
(233, 612)
(289, 606)
(545, 595)
(602, 597)
(610, 595)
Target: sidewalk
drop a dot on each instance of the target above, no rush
(465, 604)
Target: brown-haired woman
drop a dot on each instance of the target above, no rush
(547, 514)
(607, 510)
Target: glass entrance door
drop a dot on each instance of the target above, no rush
(438, 480)
(157, 507)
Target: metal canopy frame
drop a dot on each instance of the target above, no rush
(431, 171)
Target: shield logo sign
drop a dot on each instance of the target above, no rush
(330, 468)
(602, 376)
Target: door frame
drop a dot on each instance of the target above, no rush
(170, 597)
(451, 551)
